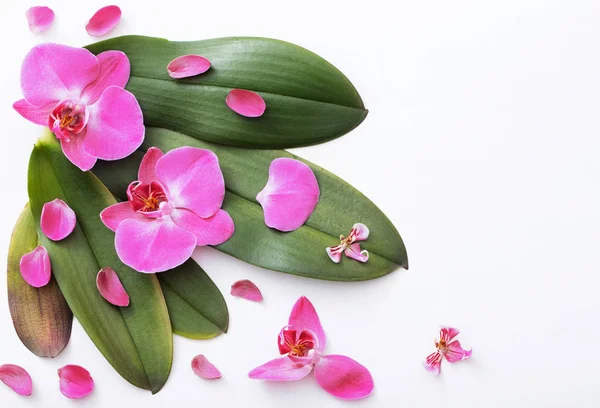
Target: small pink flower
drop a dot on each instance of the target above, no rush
(81, 98)
(58, 220)
(35, 267)
(174, 206)
(348, 246)
(204, 368)
(247, 290)
(75, 381)
(302, 343)
(39, 18)
(446, 347)
(16, 378)
(246, 103)
(103, 21)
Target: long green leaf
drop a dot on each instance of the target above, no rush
(136, 340)
(41, 316)
(301, 252)
(309, 101)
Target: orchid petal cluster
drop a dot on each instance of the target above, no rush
(349, 247)
(447, 348)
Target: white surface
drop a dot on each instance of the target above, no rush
(481, 146)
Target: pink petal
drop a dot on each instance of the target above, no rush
(57, 220)
(246, 103)
(16, 378)
(280, 369)
(153, 245)
(286, 339)
(335, 253)
(304, 316)
(46, 78)
(114, 71)
(343, 377)
(110, 287)
(433, 363)
(187, 66)
(116, 125)
(75, 381)
(103, 21)
(454, 352)
(112, 216)
(39, 18)
(147, 171)
(359, 232)
(448, 333)
(246, 290)
(290, 196)
(73, 149)
(194, 179)
(35, 267)
(204, 368)
(356, 253)
(35, 114)
(208, 231)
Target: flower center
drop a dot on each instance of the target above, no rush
(68, 119)
(441, 345)
(146, 198)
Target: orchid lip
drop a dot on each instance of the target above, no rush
(68, 119)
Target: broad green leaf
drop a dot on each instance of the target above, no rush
(136, 340)
(41, 316)
(300, 252)
(309, 101)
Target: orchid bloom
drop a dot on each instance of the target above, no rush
(302, 343)
(80, 97)
(348, 245)
(446, 347)
(174, 206)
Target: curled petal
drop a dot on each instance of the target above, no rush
(114, 71)
(280, 369)
(433, 362)
(246, 103)
(187, 66)
(247, 290)
(35, 267)
(448, 333)
(57, 220)
(39, 18)
(213, 230)
(359, 232)
(335, 253)
(35, 114)
(147, 171)
(16, 378)
(304, 316)
(103, 21)
(204, 368)
(112, 216)
(454, 352)
(286, 339)
(343, 377)
(73, 149)
(110, 287)
(75, 381)
(356, 253)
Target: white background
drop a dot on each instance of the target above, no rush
(481, 146)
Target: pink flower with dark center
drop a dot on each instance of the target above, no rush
(80, 97)
(348, 245)
(448, 348)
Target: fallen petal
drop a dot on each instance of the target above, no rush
(280, 369)
(246, 103)
(75, 381)
(359, 232)
(57, 220)
(343, 377)
(247, 290)
(103, 21)
(304, 316)
(335, 253)
(111, 288)
(433, 363)
(454, 352)
(187, 66)
(39, 18)
(35, 267)
(16, 378)
(204, 368)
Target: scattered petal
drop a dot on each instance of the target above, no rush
(16, 378)
(343, 377)
(304, 316)
(280, 369)
(58, 220)
(35, 267)
(335, 253)
(75, 381)
(187, 66)
(433, 363)
(39, 18)
(103, 21)
(204, 368)
(110, 287)
(247, 290)
(246, 103)
(354, 252)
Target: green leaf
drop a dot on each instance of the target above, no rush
(136, 340)
(300, 252)
(309, 101)
(41, 316)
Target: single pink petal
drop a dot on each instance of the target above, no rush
(114, 71)
(280, 369)
(116, 125)
(46, 78)
(112, 216)
(39, 18)
(194, 179)
(204, 368)
(103, 21)
(246, 290)
(208, 231)
(153, 245)
(433, 362)
(356, 253)
(147, 171)
(187, 66)
(454, 352)
(57, 220)
(16, 378)
(246, 103)
(73, 149)
(290, 196)
(335, 253)
(343, 377)
(359, 232)
(35, 114)
(304, 316)
(35, 267)
(448, 333)
(110, 287)
(75, 381)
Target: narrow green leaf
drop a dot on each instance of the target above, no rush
(136, 340)
(41, 316)
(309, 101)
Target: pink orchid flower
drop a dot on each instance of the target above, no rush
(302, 343)
(446, 347)
(348, 245)
(80, 97)
(174, 206)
